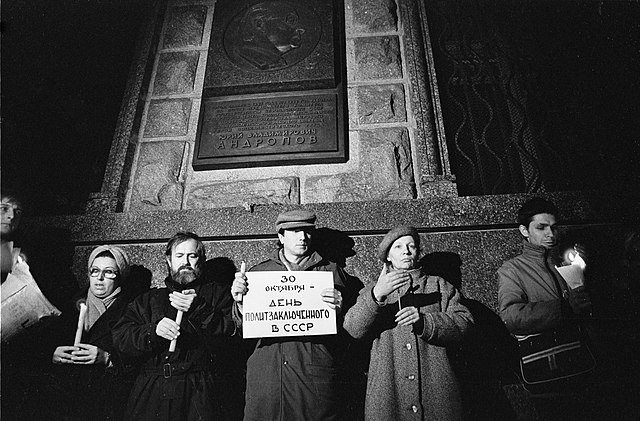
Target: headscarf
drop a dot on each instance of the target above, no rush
(97, 306)
(119, 255)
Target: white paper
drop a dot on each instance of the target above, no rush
(287, 304)
(573, 274)
(23, 304)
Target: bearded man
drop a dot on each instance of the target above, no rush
(176, 381)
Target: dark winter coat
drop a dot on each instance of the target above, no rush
(181, 385)
(528, 296)
(295, 378)
(102, 390)
(410, 375)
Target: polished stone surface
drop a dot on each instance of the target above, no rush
(374, 15)
(273, 191)
(386, 164)
(481, 232)
(168, 117)
(156, 185)
(381, 104)
(377, 58)
(176, 73)
(185, 26)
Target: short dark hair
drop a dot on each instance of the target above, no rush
(12, 196)
(533, 207)
(181, 237)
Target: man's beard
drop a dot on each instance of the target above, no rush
(185, 275)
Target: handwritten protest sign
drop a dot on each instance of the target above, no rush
(287, 304)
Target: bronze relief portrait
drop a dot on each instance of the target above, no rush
(270, 36)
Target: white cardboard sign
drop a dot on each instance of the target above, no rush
(287, 304)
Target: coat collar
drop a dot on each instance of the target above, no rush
(313, 260)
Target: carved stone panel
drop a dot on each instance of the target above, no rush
(274, 91)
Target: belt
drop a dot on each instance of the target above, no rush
(168, 370)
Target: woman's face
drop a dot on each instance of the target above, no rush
(403, 253)
(103, 276)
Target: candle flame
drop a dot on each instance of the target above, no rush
(577, 260)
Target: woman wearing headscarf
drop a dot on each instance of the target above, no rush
(411, 318)
(101, 378)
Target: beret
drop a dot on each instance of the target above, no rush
(119, 255)
(393, 235)
(299, 218)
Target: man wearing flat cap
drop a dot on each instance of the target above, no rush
(294, 378)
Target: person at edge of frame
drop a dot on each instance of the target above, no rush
(533, 297)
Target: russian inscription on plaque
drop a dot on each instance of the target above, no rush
(274, 91)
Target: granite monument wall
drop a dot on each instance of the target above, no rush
(397, 171)
(392, 154)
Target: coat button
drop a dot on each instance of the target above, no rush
(408, 346)
(414, 408)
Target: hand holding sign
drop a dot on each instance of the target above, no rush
(333, 298)
(290, 304)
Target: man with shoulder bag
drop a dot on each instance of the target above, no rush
(544, 309)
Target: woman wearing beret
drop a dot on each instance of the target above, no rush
(412, 318)
(100, 379)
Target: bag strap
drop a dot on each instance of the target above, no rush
(553, 275)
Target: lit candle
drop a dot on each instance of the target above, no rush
(81, 316)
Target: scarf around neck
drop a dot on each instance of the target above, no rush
(97, 306)
(301, 266)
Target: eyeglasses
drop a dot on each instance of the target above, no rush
(107, 273)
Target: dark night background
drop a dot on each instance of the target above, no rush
(64, 70)
(65, 65)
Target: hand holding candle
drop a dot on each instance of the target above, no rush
(239, 286)
(181, 301)
(80, 328)
(573, 274)
(388, 282)
(172, 346)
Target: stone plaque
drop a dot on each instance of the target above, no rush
(274, 91)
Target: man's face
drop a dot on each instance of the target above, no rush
(184, 263)
(284, 33)
(296, 242)
(10, 213)
(541, 231)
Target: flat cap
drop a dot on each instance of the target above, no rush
(299, 218)
(393, 235)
